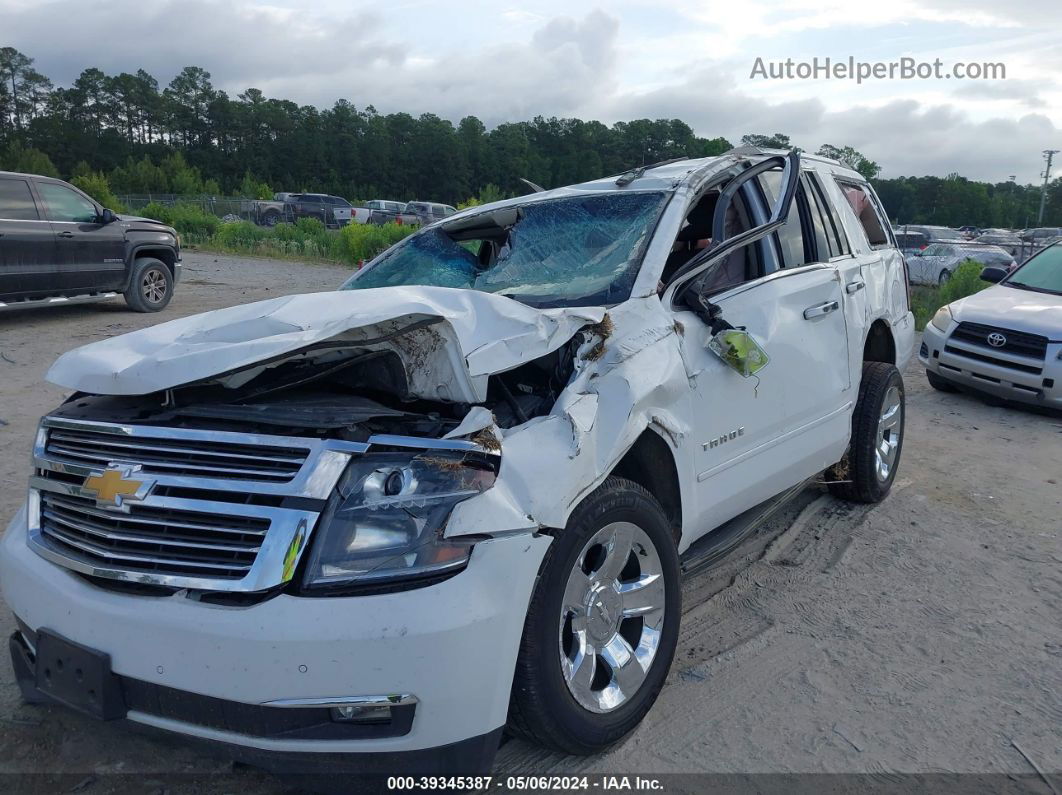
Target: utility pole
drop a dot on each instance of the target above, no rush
(1011, 216)
(1048, 154)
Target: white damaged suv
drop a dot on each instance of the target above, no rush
(390, 521)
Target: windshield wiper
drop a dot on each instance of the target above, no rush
(1024, 286)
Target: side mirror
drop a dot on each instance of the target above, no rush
(108, 216)
(993, 274)
(739, 351)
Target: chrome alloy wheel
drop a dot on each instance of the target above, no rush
(611, 617)
(890, 430)
(153, 286)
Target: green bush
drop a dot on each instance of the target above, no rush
(191, 219)
(157, 212)
(239, 236)
(364, 241)
(310, 226)
(187, 218)
(307, 238)
(96, 186)
(966, 280)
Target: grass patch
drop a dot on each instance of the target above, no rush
(925, 301)
(306, 239)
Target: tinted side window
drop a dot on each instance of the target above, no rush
(16, 201)
(866, 212)
(65, 204)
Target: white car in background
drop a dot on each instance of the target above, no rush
(938, 261)
(1006, 340)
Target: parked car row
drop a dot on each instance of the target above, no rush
(337, 211)
(413, 213)
(289, 207)
(983, 245)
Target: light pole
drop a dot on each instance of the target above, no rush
(1049, 155)
(1012, 215)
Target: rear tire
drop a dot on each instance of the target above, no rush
(609, 584)
(867, 471)
(271, 219)
(939, 383)
(943, 278)
(150, 286)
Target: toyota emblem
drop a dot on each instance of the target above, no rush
(996, 340)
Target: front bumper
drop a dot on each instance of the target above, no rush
(969, 367)
(453, 645)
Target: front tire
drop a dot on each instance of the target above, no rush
(868, 469)
(602, 625)
(150, 286)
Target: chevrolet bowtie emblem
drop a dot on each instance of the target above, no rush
(115, 485)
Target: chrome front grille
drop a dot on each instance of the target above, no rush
(212, 510)
(1018, 343)
(154, 539)
(195, 457)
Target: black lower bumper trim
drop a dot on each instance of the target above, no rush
(473, 756)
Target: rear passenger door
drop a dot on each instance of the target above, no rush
(91, 253)
(831, 245)
(28, 266)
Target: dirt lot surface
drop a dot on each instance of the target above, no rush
(920, 635)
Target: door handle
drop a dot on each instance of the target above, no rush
(854, 287)
(820, 310)
(66, 234)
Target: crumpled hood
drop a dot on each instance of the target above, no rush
(449, 340)
(1010, 307)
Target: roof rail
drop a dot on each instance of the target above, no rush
(627, 177)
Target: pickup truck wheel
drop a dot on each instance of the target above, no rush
(869, 467)
(151, 286)
(602, 625)
(271, 219)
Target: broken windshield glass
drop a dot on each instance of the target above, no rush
(582, 250)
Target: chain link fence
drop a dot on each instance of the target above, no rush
(230, 208)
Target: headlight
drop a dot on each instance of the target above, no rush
(941, 319)
(388, 519)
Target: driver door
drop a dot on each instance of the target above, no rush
(91, 253)
(757, 435)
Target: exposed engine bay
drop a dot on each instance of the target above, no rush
(344, 394)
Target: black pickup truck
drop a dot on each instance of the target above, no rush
(57, 245)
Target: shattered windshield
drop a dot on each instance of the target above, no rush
(575, 251)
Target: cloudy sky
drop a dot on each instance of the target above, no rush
(611, 61)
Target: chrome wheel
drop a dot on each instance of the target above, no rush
(890, 429)
(611, 618)
(153, 286)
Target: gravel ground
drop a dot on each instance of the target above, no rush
(920, 635)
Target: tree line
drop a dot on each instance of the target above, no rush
(129, 134)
